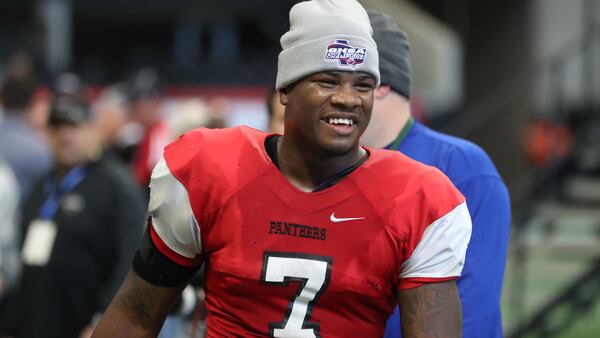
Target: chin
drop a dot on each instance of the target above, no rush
(69, 161)
(341, 147)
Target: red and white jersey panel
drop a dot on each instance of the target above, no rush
(173, 220)
(441, 250)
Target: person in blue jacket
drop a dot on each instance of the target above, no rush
(467, 166)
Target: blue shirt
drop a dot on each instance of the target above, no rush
(474, 174)
(26, 154)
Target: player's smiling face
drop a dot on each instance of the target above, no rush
(329, 109)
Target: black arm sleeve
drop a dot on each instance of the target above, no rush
(157, 269)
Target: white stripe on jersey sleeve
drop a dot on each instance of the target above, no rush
(171, 211)
(442, 249)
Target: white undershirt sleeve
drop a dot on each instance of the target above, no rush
(172, 217)
(442, 248)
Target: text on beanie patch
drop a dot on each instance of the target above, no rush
(345, 54)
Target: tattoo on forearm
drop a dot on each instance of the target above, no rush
(144, 304)
(431, 311)
(139, 305)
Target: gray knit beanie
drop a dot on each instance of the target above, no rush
(327, 35)
(394, 61)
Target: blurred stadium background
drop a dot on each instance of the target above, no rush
(519, 77)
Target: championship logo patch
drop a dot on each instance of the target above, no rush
(345, 54)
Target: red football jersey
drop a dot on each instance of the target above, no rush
(285, 263)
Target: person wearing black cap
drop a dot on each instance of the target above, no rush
(80, 227)
(467, 166)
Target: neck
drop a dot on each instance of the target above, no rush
(305, 169)
(390, 115)
(62, 171)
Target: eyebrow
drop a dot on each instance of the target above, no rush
(365, 76)
(361, 75)
(335, 73)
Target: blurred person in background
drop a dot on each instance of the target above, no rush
(113, 122)
(80, 228)
(146, 103)
(185, 115)
(117, 134)
(19, 65)
(111, 119)
(71, 85)
(218, 109)
(21, 146)
(38, 111)
(9, 257)
(467, 166)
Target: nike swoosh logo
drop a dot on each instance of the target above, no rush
(337, 220)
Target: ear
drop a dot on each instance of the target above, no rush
(382, 91)
(283, 96)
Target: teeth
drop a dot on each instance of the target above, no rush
(347, 122)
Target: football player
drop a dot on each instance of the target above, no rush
(306, 234)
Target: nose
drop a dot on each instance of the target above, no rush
(346, 96)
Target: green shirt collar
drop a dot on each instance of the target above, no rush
(396, 143)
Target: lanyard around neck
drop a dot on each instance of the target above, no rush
(56, 190)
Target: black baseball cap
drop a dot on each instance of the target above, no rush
(69, 110)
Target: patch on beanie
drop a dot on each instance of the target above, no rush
(342, 51)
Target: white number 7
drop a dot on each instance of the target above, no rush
(313, 273)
